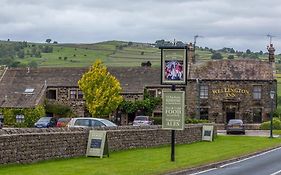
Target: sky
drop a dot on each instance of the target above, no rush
(238, 24)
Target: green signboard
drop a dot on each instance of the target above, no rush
(97, 144)
(173, 110)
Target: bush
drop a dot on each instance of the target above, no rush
(157, 120)
(276, 124)
(31, 115)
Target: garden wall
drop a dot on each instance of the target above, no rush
(33, 144)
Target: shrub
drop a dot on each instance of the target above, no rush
(157, 120)
(276, 124)
(31, 115)
(58, 109)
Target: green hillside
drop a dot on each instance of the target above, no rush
(112, 53)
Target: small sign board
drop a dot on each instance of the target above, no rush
(173, 65)
(97, 144)
(173, 110)
(207, 132)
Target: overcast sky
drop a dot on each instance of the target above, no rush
(240, 24)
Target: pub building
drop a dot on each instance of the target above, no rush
(231, 89)
(216, 90)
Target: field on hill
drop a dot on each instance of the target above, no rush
(112, 53)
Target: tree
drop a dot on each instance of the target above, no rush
(248, 51)
(230, 57)
(48, 40)
(216, 56)
(21, 54)
(101, 90)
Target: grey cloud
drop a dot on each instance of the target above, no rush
(223, 23)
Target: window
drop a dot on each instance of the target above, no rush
(151, 92)
(73, 94)
(204, 113)
(19, 118)
(257, 92)
(29, 90)
(257, 115)
(203, 91)
(80, 94)
(52, 94)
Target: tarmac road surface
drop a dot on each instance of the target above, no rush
(267, 163)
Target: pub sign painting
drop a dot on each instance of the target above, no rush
(173, 110)
(173, 65)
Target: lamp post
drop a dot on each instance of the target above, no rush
(272, 93)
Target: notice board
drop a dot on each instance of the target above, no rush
(97, 144)
(173, 110)
(208, 132)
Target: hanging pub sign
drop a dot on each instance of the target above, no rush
(173, 65)
(173, 110)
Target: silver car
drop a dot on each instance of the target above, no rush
(142, 121)
(85, 122)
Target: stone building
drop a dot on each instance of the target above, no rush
(216, 90)
(228, 89)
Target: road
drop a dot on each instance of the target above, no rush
(267, 163)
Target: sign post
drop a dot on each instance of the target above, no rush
(173, 71)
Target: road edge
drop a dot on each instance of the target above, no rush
(218, 164)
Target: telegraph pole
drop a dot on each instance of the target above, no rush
(270, 38)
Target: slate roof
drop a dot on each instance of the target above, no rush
(133, 80)
(245, 69)
(16, 80)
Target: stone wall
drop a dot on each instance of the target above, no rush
(32, 145)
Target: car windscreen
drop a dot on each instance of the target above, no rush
(231, 122)
(44, 119)
(108, 123)
(142, 118)
(82, 122)
(64, 120)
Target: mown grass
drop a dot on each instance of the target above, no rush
(148, 161)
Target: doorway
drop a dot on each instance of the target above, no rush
(230, 115)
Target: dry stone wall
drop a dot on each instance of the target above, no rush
(32, 145)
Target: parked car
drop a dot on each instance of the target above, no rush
(235, 126)
(46, 122)
(142, 121)
(1, 125)
(89, 122)
(62, 122)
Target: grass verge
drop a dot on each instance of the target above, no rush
(148, 161)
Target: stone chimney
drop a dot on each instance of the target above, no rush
(271, 58)
(190, 53)
(271, 51)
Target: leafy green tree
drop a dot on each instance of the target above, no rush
(230, 57)
(21, 54)
(48, 40)
(101, 90)
(216, 56)
(248, 51)
(33, 63)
